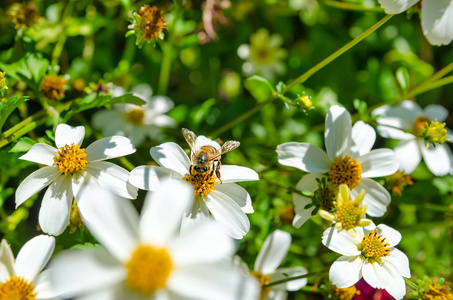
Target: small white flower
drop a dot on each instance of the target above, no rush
(134, 121)
(145, 258)
(264, 55)
(371, 254)
(437, 16)
(227, 201)
(265, 270)
(349, 160)
(67, 170)
(23, 279)
(409, 116)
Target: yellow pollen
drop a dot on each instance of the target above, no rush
(346, 293)
(398, 181)
(345, 171)
(420, 125)
(148, 269)
(438, 292)
(75, 220)
(262, 280)
(70, 159)
(349, 215)
(136, 115)
(435, 133)
(203, 184)
(374, 246)
(17, 288)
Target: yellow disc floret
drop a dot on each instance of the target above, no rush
(373, 246)
(345, 171)
(70, 159)
(262, 280)
(17, 288)
(148, 269)
(136, 115)
(435, 133)
(203, 183)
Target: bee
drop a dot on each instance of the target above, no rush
(206, 159)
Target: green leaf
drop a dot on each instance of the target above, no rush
(280, 87)
(37, 66)
(7, 107)
(128, 98)
(259, 87)
(200, 113)
(31, 68)
(402, 75)
(23, 145)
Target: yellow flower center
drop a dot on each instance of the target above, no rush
(136, 116)
(349, 215)
(346, 293)
(70, 159)
(153, 22)
(435, 133)
(398, 181)
(345, 171)
(262, 280)
(203, 184)
(420, 125)
(17, 288)
(438, 292)
(374, 246)
(75, 220)
(148, 269)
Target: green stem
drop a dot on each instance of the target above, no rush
(126, 163)
(305, 193)
(441, 73)
(24, 122)
(24, 130)
(304, 76)
(351, 6)
(336, 54)
(167, 51)
(411, 284)
(296, 278)
(423, 88)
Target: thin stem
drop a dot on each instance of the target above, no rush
(167, 51)
(126, 163)
(296, 278)
(411, 284)
(441, 73)
(305, 193)
(24, 122)
(351, 6)
(304, 76)
(24, 130)
(423, 88)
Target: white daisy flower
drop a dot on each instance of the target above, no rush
(264, 55)
(24, 278)
(436, 15)
(134, 121)
(349, 160)
(144, 257)
(265, 270)
(226, 201)
(371, 254)
(408, 116)
(67, 169)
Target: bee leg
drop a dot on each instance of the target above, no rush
(217, 171)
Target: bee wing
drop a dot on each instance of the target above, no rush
(190, 138)
(226, 147)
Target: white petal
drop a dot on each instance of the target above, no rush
(41, 154)
(228, 214)
(392, 236)
(43, 287)
(109, 147)
(396, 6)
(197, 214)
(150, 177)
(56, 205)
(437, 21)
(171, 156)
(272, 252)
(408, 154)
(378, 163)
(66, 135)
(308, 182)
(400, 261)
(396, 286)
(401, 116)
(436, 158)
(204, 141)
(284, 273)
(112, 177)
(388, 128)
(377, 198)
(346, 271)
(238, 195)
(142, 91)
(204, 243)
(163, 211)
(213, 282)
(231, 173)
(363, 138)
(76, 272)
(109, 121)
(111, 219)
(34, 256)
(6, 261)
(375, 275)
(436, 112)
(337, 134)
(342, 242)
(160, 104)
(303, 156)
(35, 182)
